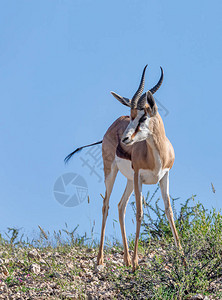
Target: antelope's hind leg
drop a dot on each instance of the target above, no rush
(164, 186)
(109, 182)
(122, 210)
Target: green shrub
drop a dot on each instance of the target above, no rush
(166, 276)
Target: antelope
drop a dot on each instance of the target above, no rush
(137, 146)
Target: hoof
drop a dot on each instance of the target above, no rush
(127, 261)
(99, 260)
(184, 262)
(135, 266)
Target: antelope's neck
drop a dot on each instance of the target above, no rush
(161, 147)
(153, 154)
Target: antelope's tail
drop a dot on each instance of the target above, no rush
(78, 149)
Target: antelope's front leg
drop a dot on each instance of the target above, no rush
(139, 215)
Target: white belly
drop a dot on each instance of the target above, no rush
(124, 165)
(147, 176)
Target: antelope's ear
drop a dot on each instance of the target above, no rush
(123, 100)
(151, 107)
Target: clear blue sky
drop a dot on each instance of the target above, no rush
(59, 60)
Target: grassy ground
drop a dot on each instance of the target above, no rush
(67, 270)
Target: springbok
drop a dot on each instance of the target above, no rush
(137, 146)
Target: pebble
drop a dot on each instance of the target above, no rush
(4, 270)
(20, 262)
(42, 261)
(57, 275)
(35, 268)
(66, 295)
(3, 287)
(33, 254)
(197, 297)
(88, 250)
(99, 268)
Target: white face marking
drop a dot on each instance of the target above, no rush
(141, 134)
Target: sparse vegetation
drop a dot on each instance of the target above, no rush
(62, 265)
(164, 275)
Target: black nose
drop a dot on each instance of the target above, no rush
(125, 139)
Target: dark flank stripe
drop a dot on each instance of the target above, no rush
(120, 152)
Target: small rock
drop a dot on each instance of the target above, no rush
(3, 287)
(56, 254)
(118, 262)
(117, 255)
(57, 275)
(33, 254)
(20, 262)
(48, 254)
(7, 261)
(4, 270)
(99, 268)
(81, 274)
(35, 268)
(94, 260)
(66, 295)
(88, 274)
(42, 261)
(197, 297)
(70, 265)
(114, 250)
(1, 261)
(90, 264)
(91, 297)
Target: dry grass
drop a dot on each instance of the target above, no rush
(63, 266)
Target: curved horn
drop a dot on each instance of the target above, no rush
(123, 100)
(142, 102)
(147, 99)
(157, 86)
(139, 92)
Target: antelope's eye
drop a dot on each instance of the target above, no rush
(142, 119)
